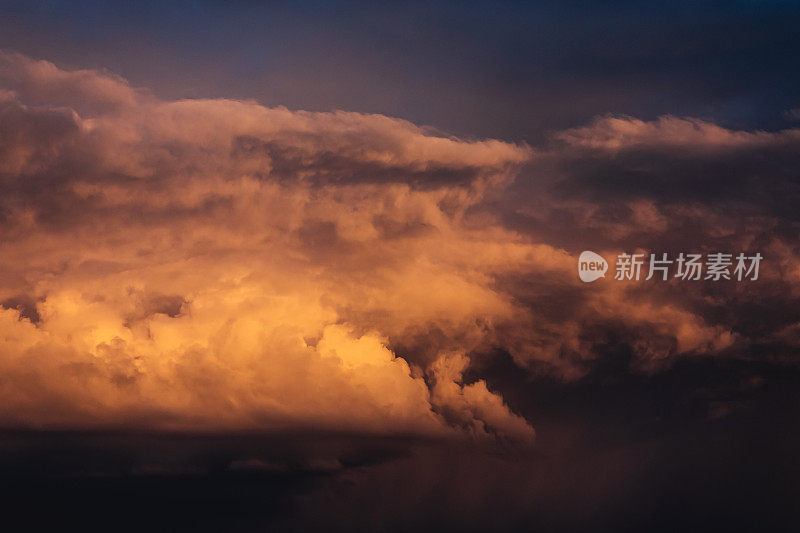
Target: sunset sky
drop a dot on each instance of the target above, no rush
(314, 265)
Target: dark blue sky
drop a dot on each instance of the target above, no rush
(513, 70)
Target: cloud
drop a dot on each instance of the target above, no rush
(216, 264)
(679, 160)
(619, 133)
(43, 83)
(672, 185)
(473, 406)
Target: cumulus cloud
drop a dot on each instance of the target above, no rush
(473, 406)
(217, 264)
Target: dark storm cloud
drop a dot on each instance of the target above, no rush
(188, 259)
(673, 161)
(670, 185)
(375, 212)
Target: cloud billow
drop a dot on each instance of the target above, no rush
(216, 264)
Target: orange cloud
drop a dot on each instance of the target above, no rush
(217, 264)
(615, 132)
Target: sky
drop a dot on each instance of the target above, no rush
(511, 70)
(315, 265)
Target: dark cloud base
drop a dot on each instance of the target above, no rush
(701, 447)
